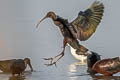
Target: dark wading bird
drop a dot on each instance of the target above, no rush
(79, 29)
(91, 60)
(107, 67)
(15, 66)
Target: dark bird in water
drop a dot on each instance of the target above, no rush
(79, 29)
(15, 66)
(91, 60)
(107, 67)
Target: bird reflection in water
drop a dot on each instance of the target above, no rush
(75, 69)
(101, 77)
(72, 67)
(16, 78)
(23, 77)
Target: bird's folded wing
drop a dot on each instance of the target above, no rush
(5, 65)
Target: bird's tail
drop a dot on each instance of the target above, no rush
(79, 55)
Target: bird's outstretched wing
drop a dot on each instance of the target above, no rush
(86, 22)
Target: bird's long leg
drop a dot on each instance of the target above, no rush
(61, 54)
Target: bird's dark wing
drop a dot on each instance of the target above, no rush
(86, 22)
(18, 65)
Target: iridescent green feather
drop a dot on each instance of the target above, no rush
(86, 23)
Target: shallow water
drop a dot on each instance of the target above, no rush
(20, 39)
(73, 71)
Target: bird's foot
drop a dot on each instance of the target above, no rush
(51, 59)
(48, 58)
(53, 63)
(55, 58)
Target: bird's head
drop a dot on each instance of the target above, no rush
(50, 14)
(27, 61)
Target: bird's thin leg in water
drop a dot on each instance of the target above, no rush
(61, 54)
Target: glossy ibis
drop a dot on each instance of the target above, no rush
(15, 66)
(79, 29)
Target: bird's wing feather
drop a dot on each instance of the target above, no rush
(87, 21)
(5, 65)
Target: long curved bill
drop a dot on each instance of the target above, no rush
(40, 21)
(30, 66)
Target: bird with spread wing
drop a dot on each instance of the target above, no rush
(81, 29)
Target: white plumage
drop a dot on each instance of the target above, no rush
(81, 58)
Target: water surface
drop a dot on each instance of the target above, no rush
(20, 39)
